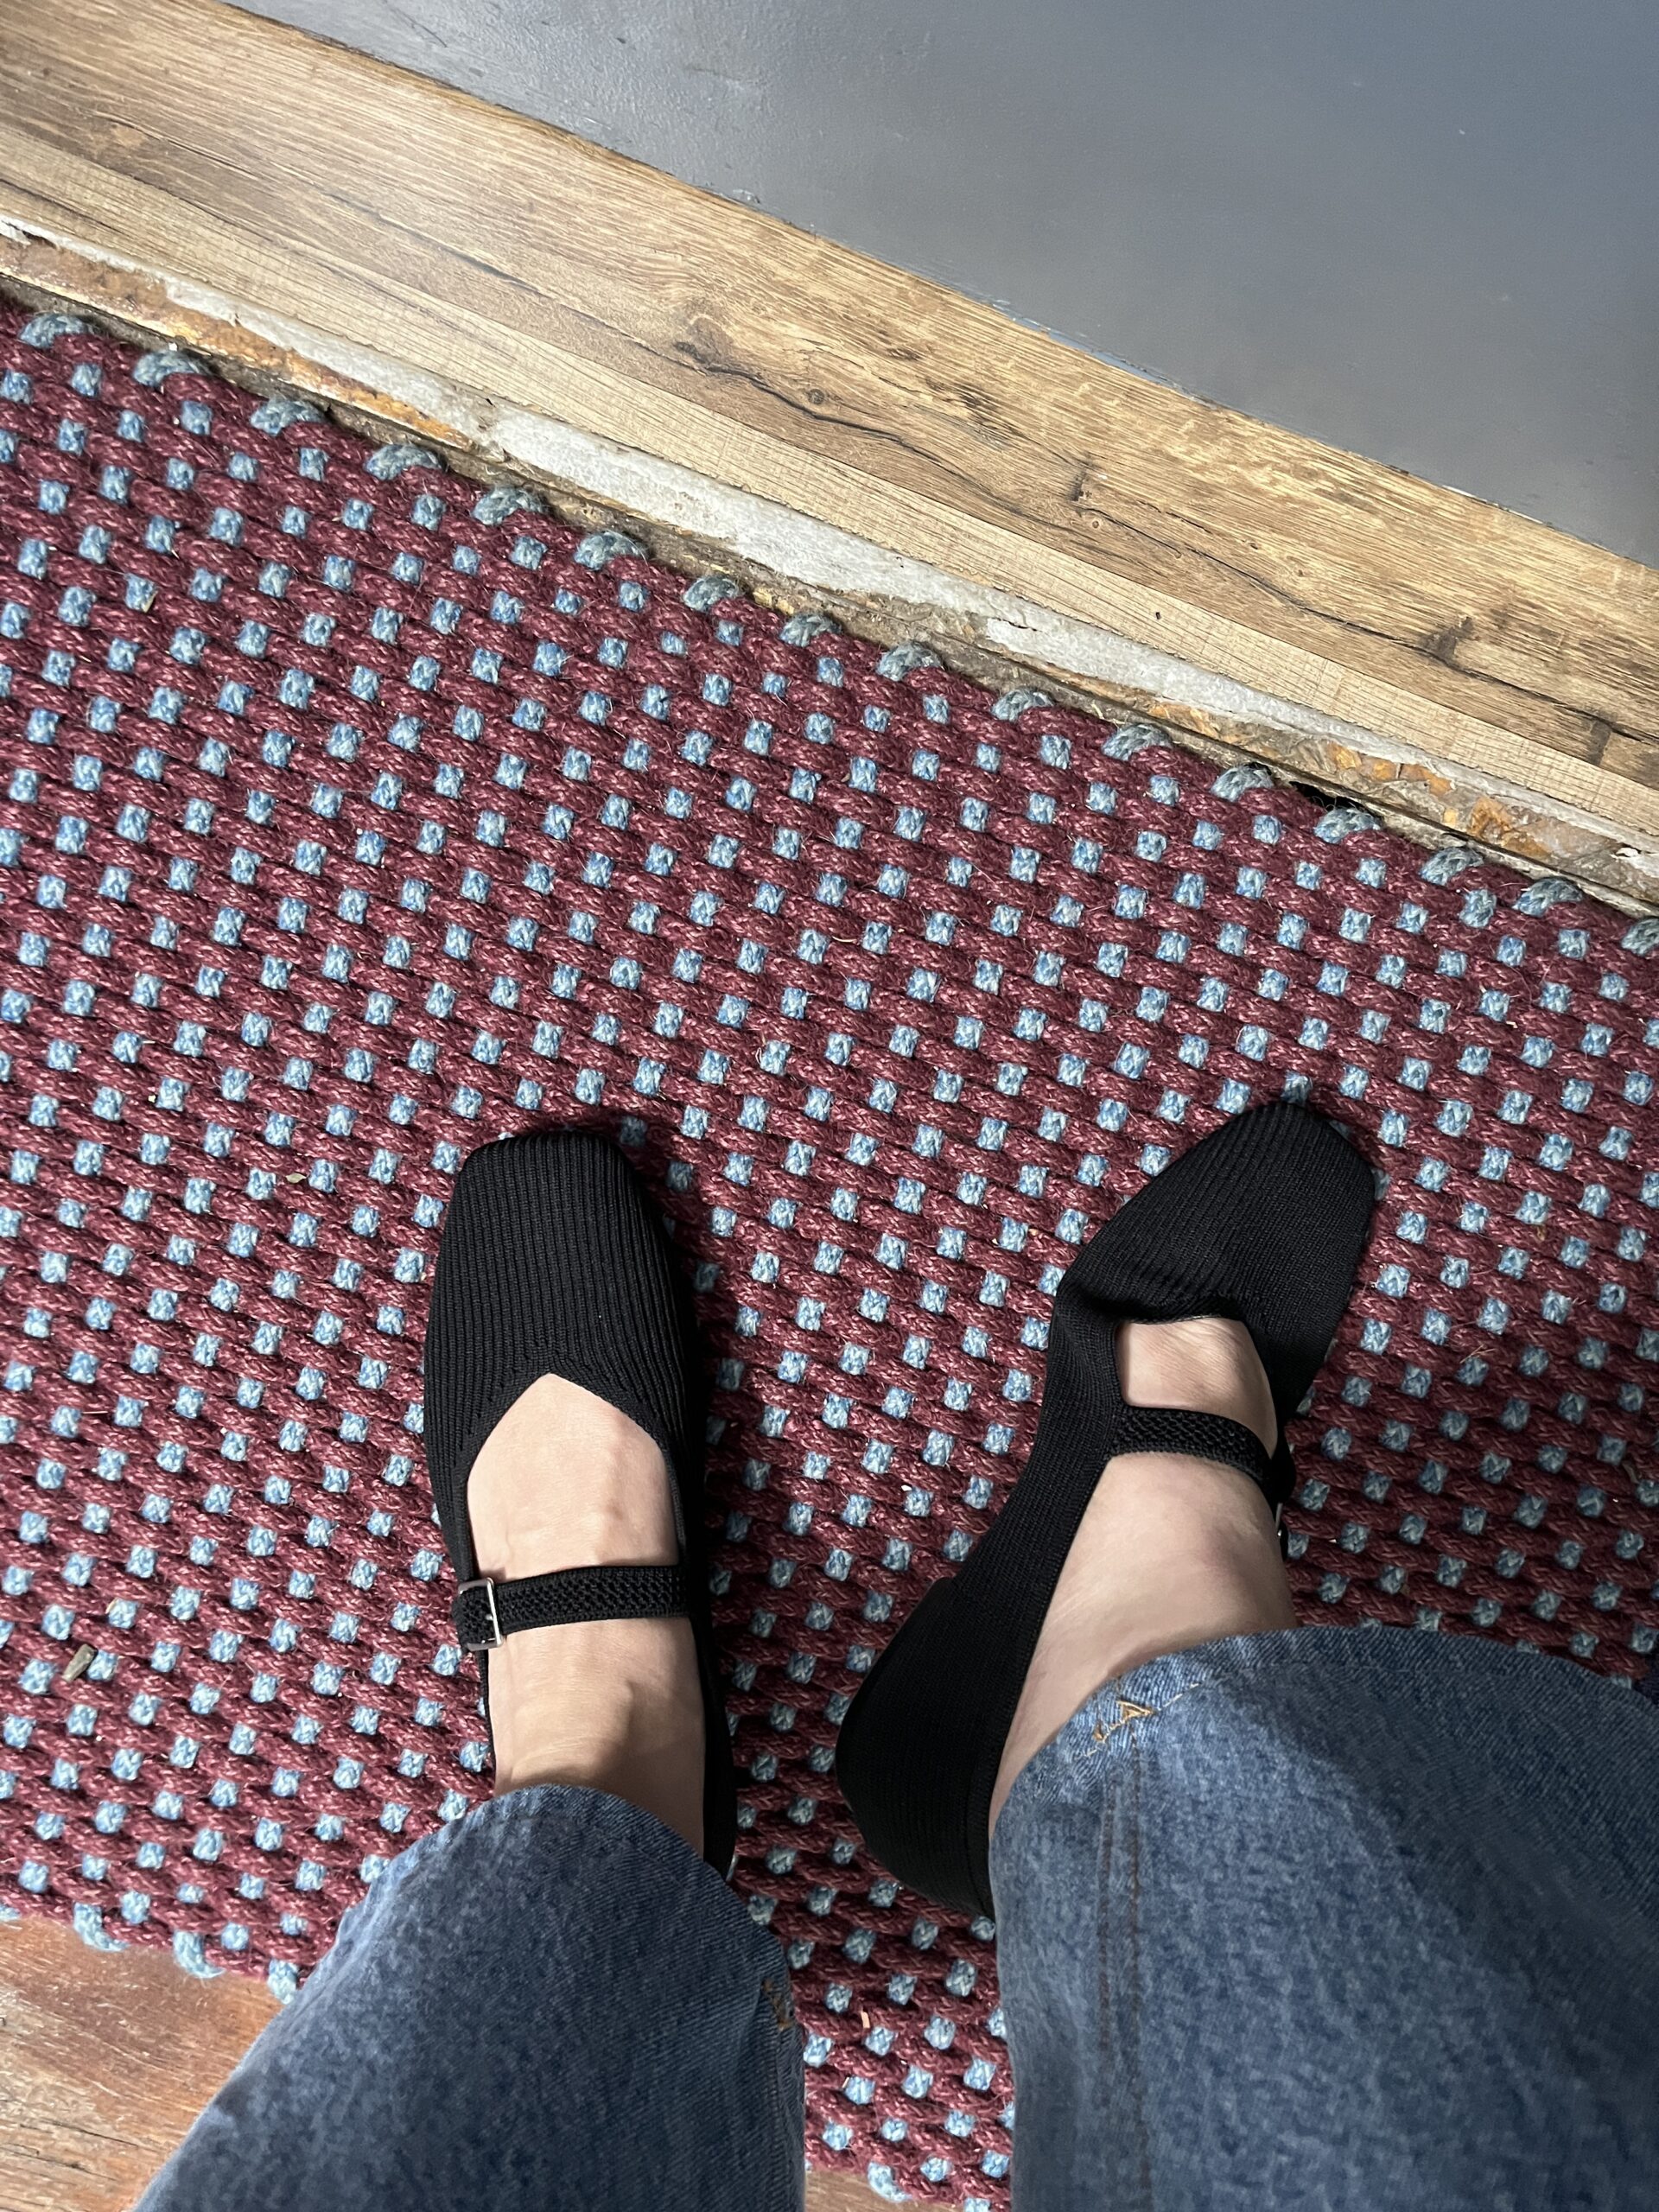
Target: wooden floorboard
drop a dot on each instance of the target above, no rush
(105, 2061)
(105, 2058)
(471, 271)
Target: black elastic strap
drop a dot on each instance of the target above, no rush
(484, 1612)
(1204, 1436)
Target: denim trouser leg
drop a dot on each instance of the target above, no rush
(1329, 1921)
(1346, 1921)
(552, 2006)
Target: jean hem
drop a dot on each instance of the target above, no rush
(1145, 1692)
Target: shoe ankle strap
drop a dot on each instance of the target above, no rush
(1205, 1436)
(487, 1611)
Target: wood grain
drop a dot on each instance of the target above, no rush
(105, 2061)
(506, 260)
(106, 2058)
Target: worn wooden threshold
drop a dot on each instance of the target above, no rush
(832, 429)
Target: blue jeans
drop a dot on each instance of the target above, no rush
(1332, 1919)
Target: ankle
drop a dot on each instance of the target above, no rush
(1171, 1551)
(565, 1480)
(613, 1705)
(1206, 1553)
(1206, 1566)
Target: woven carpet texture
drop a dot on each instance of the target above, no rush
(354, 817)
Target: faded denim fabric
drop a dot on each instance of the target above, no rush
(1326, 1921)
(1337, 1920)
(552, 2005)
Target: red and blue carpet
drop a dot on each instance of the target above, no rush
(352, 818)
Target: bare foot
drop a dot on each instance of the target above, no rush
(1171, 1551)
(566, 1480)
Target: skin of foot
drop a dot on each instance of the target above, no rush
(564, 1479)
(1172, 1552)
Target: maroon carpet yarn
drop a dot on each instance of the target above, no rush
(354, 817)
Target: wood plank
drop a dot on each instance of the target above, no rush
(106, 2058)
(671, 294)
(164, 143)
(105, 2061)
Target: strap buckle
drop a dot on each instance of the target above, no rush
(491, 1616)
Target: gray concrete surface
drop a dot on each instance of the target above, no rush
(1426, 232)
